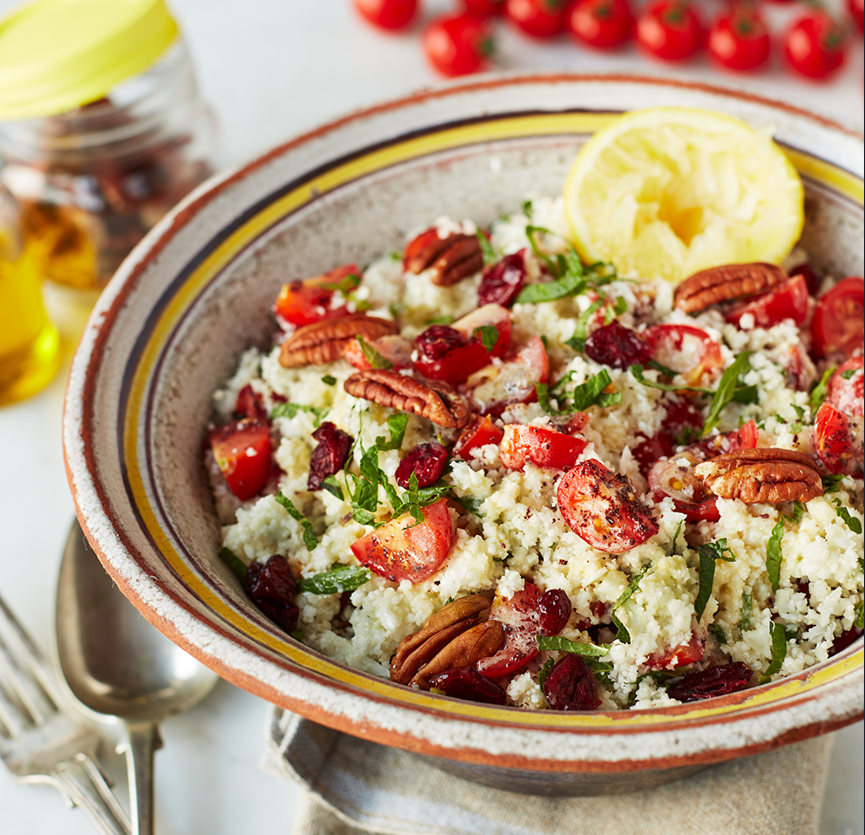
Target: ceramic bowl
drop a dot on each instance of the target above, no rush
(199, 289)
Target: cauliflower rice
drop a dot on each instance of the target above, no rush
(514, 532)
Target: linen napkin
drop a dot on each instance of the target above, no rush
(355, 786)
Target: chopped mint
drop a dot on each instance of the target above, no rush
(709, 552)
(338, 579)
(236, 564)
(309, 537)
(773, 554)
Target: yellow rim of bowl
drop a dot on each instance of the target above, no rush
(446, 138)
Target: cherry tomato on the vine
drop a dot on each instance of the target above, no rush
(669, 29)
(815, 45)
(458, 44)
(739, 39)
(538, 18)
(390, 15)
(604, 24)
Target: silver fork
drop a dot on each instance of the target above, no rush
(40, 741)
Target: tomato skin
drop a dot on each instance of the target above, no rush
(493, 315)
(310, 300)
(838, 440)
(404, 549)
(458, 44)
(521, 617)
(539, 446)
(669, 30)
(389, 15)
(786, 301)
(665, 339)
(603, 24)
(249, 404)
(484, 8)
(739, 39)
(590, 496)
(480, 432)
(679, 656)
(242, 450)
(856, 8)
(837, 327)
(846, 393)
(815, 45)
(537, 18)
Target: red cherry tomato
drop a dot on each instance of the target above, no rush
(521, 617)
(601, 508)
(313, 299)
(514, 381)
(604, 24)
(489, 315)
(481, 432)
(538, 18)
(837, 327)
(679, 656)
(242, 451)
(739, 39)
(684, 348)
(857, 12)
(405, 549)
(390, 15)
(815, 45)
(786, 301)
(484, 8)
(669, 30)
(249, 404)
(838, 440)
(458, 44)
(847, 387)
(539, 446)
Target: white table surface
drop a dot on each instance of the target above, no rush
(271, 69)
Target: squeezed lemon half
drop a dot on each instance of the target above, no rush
(667, 191)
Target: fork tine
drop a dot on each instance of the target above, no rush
(32, 657)
(19, 680)
(12, 721)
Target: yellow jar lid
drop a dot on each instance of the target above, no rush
(56, 55)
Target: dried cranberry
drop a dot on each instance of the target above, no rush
(650, 450)
(272, 588)
(617, 346)
(570, 685)
(437, 341)
(426, 461)
(715, 681)
(329, 456)
(554, 607)
(249, 404)
(467, 683)
(844, 640)
(811, 278)
(501, 282)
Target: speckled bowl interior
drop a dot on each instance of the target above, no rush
(199, 290)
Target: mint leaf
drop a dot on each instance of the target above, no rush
(545, 671)
(622, 633)
(292, 410)
(309, 537)
(831, 482)
(332, 486)
(557, 642)
(745, 611)
(549, 291)
(591, 393)
(708, 553)
(489, 336)
(487, 251)
(636, 372)
(844, 514)
(773, 554)
(339, 579)
(718, 632)
(236, 564)
(726, 390)
(472, 504)
(798, 511)
(396, 425)
(581, 327)
(614, 310)
(849, 373)
(818, 392)
(779, 650)
(329, 380)
(373, 357)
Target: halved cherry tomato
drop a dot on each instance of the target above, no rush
(787, 301)
(480, 432)
(488, 315)
(684, 348)
(242, 451)
(392, 347)
(405, 549)
(514, 381)
(604, 24)
(847, 387)
(837, 325)
(602, 508)
(538, 18)
(311, 300)
(522, 620)
(739, 38)
(669, 29)
(838, 440)
(539, 446)
(249, 404)
(390, 15)
(679, 656)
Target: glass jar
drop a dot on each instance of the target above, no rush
(29, 342)
(94, 177)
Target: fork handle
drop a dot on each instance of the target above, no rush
(143, 741)
(80, 780)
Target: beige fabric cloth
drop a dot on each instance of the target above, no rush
(355, 786)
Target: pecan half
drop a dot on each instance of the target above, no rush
(408, 394)
(451, 259)
(762, 475)
(325, 341)
(481, 641)
(724, 283)
(440, 629)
